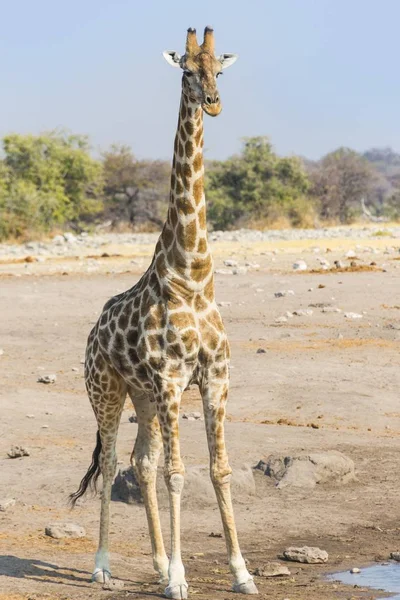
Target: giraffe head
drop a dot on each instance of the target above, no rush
(200, 70)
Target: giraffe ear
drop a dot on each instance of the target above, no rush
(172, 58)
(227, 60)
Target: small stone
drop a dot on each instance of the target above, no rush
(325, 264)
(223, 272)
(113, 584)
(331, 309)
(18, 452)
(261, 351)
(229, 262)
(352, 315)
(300, 265)
(272, 569)
(6, 504)
(45, 426)
(224, 304)
(64, 530)
(75, 369)
(1, 351)
(239, 270)
(306, 554)
(133, 418)
(289, 314)
(30, 416)
(303, 313)
(192, 416)
(283, 293)
(338, 264)
(395, 556)
(355, 570)
(47, 378)
(350, 254)
(281, 320)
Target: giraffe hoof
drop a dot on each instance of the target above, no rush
(177, 592)
(101, 576)
(249, 587)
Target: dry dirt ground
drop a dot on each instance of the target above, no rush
(324, 382)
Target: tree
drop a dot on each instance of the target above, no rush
(136, 191)
(47, 180)
(257, 185)
(340, 180)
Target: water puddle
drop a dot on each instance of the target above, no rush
(379, 577)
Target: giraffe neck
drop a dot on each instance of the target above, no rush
(184, 237)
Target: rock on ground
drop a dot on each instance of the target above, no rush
(197, 491)
(395, 556)
(17, 452)
(306, 470)
(306, 554)
(64, 530)
(6, 504)
(272, 569)
(47, 378)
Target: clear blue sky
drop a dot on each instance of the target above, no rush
(312, 74)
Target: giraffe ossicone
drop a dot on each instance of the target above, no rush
(162, 335)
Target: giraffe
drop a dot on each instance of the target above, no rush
(163, 334)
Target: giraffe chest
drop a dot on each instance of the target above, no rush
(175, 343)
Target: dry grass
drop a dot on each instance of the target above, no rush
(349, 269)
(325, 344)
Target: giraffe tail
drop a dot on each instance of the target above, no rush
(91, 476)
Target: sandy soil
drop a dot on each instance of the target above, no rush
(324, 382)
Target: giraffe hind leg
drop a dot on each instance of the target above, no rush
(107, 393)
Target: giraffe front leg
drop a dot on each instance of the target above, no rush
(214, 394)
(167, 402)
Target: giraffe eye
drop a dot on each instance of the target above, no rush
(220, 73)
(188, 73)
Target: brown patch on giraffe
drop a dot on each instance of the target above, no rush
(178, 169)
(180, 149)
(189, 127)
(145, 303)
(184, 206)
(198, 137)
(198, 162)
(198, 189)
(182, 134)
(214, 318)
(202, 217)
(200, 268)
(175, 351)
(210, 338)
(202, 245)
(190, 339)
(176, 258)
(173, 180)
(180, 320)
(187, 235)
(186, 175)
(189, 149)
(209, 291)
(171, 336)
(178, 187)
(161, 267)
(183, 111)
(200, 303)
(168, 236)
(152, 322)
(173, 217)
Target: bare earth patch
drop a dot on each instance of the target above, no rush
(323, 383)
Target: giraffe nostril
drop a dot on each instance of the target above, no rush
(208, 100)
(216, 99)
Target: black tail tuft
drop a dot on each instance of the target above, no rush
(91, 476)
